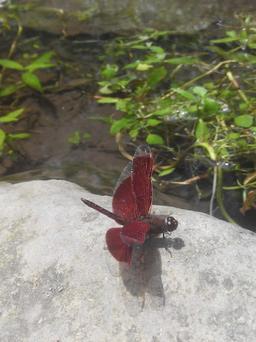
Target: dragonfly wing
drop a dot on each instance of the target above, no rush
(133, 194)
(142, 283)
(133, 282)
(135, 232)
(120, 240)
(126, 173)
(116, 246)
(155, 296)
(131, 276)
(124, 200)
(142, 167)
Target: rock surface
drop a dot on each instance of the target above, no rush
(101, 16)
(58, 283)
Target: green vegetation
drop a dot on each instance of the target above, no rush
(77, 138)
(197, 105)
(191, 97)
(16, 77)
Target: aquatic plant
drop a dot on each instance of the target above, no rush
(17, 74)
(196, 103)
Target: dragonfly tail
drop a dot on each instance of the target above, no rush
(102, 210)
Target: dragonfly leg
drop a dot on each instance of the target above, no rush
(166, 247)
(142, 257)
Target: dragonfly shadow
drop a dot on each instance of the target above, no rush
(176, 243)
(142, 280)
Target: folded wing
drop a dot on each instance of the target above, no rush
(121, 240)
(133, 194)
(124, 201)
(141, 179)
(119, 250)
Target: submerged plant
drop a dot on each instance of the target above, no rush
(16, 76)
(196, 105)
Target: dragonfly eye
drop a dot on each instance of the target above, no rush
(171, 223)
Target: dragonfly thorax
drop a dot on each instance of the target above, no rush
(160, 223)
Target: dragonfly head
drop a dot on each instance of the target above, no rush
(170, 224)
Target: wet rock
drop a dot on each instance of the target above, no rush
(5, 164)
(2, 170)
(99, 17)
(58, 282)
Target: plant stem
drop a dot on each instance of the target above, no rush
(207, 73)
(219, 195)
(214, 186)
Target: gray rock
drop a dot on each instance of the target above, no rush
(59, 283)
(73, 17)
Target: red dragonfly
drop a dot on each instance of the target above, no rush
(131, 205)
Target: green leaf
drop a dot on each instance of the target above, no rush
(231, 33)
(193, 109)
(134, 133)
(12, 116)
(139, 47)
(162, 111)
(2, 139)
(86, 136)
(242, 143)
(15, 136)
(108, 100)
(155, 76)
(202, 131)
(244, 121)
(185, 94)
(225, 40)
(243, 106)
(252, 41)
(183, 60)
(132, 65)
(45, 57)
(154, 139)
(8, 90)
(119, 125)
(109, 71)
(122, 104)
(243, 57)
(155, 59)
(223, 152)
(9, 64)
(32, 81)
(157, 49)
(74, 138)
(232, 36)
(143, 67)
(38, 65)
(42, 62)
(105, 90)
(153, 122)
(166, 172)
(200, 91)
(233, 135)
(210, 105)
(219, 51)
